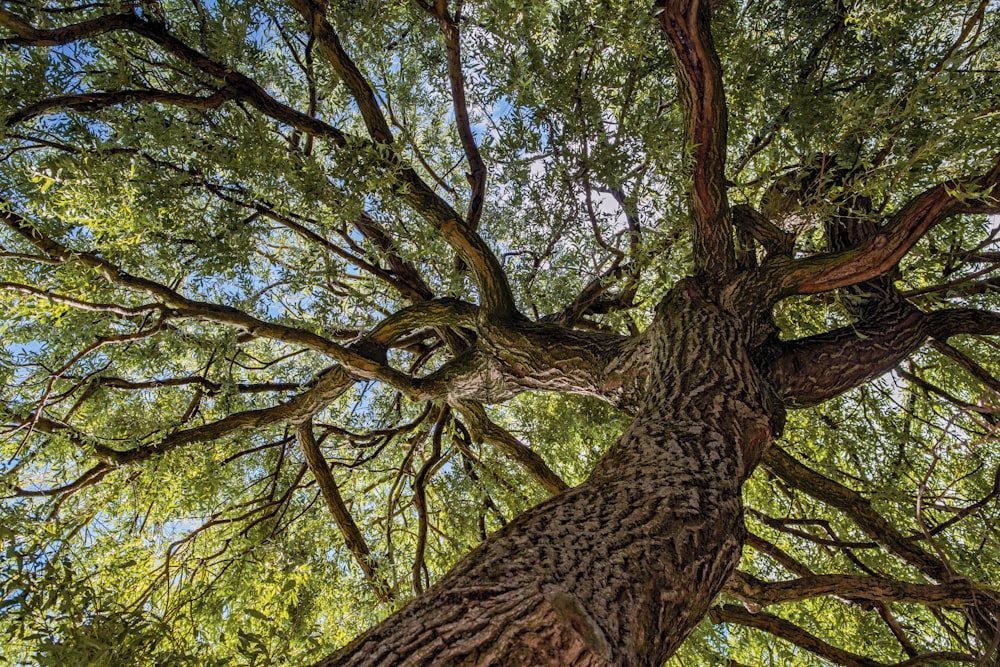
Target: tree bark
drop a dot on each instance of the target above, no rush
(619, 570)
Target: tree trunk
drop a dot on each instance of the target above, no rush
(619, 570)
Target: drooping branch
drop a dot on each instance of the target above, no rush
(790, 632)
(857, 507)
(482, 427)
(699, 73)
(353, 537)
(178, 305)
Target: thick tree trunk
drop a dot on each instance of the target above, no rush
(619, 570)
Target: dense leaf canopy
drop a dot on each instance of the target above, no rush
(250, 250)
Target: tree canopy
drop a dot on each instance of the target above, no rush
(300, 301)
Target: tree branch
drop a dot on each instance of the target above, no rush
(792, 633)
(477, 168)
(483, 428)
(699, 74)
(811, 370)
(329, 384)
(878, 254)
(495, 293)
(855, 506)
(956, 593)
(353, 538)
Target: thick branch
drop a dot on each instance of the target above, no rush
(809, 371)
(745, 586)
(497, 298)
(699, 73)
(477, 169)
(878, 254)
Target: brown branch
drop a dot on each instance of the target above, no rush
(855, 506)
(811, 370)
(483, 428)
(699, 74)
(27, 35)
(494, 288)
(878, 254)
(329, 385)
(477, 168)
(353, 538)
(181, 306)
(101, 100)
(956, 593)
(776, 241)
(420, 499)
(210, 387)
(790, 632)
(79, 304)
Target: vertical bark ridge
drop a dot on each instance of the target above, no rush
(620, 569)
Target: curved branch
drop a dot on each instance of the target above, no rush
(28, 35)
(495, 293)
(330, 384)
(477, 168)
(699, 73)
(878, 254)
(100, 100)
(485, 429)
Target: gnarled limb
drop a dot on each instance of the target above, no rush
(811, 370)
(699, 73)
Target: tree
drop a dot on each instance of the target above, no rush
(303, 301)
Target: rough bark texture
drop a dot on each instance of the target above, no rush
(620, 569)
